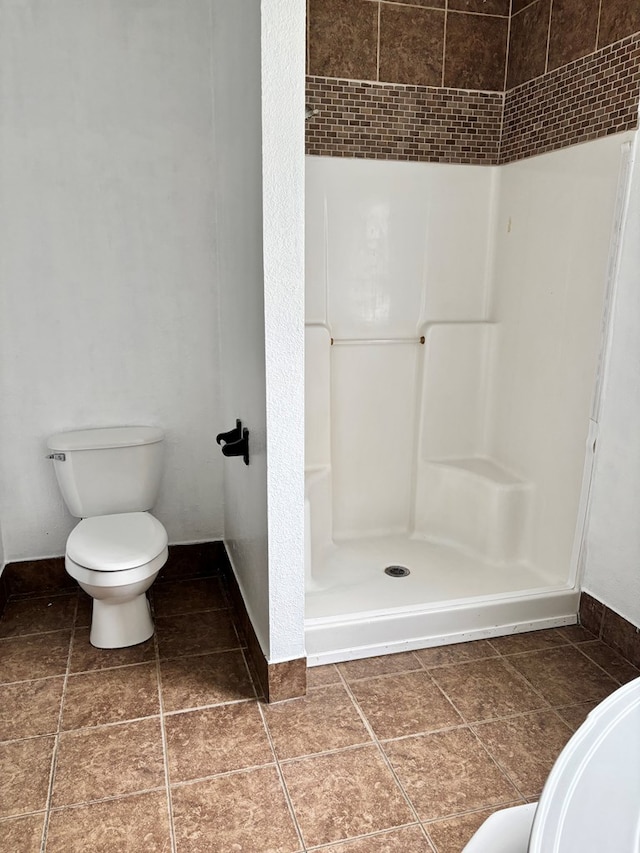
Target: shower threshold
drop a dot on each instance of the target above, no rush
(354, 609)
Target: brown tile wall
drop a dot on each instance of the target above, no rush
(434, 87)
(545, 35)
(586, 99)
(461, 44)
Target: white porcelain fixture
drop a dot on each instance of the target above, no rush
(454, 322)
(591, 801)
(110, 478)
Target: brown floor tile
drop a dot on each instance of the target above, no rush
(450, 836)
(170, 599)
(195, 633)
(322, 676)
(25, 766)
(137, 824)
(483, 690)
(411, 839)
(344, 794)
(22, 834)
(85, 610)
(526, 747)
(38, 615)
(455, 653)
(109, 761)
(531, 641)
(110, 696)
(193, 682)
(448, 773)
(326, 719)
(577, 634)
(612, 663)
(564, 676)
(30, 708)
(37, 656)
(397, 705)
(383, 665)
(575, 715)
(216, 740)
(85, 657)
(243, 811)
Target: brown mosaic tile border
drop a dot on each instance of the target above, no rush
(589, 98)
(396, 122)
(610, 627)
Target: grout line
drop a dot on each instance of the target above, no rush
(56, 745)
(114, 798)
(378, 42)
(502, 770)
(283, 783)
(381, 751)
(444, 43)
(546, 62)
(238, 771)
(222, 704)
(165, 751)
(374, 835)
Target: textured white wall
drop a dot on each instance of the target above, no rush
(108, 298)
(283, 66)
(612, 572)
(258, 74)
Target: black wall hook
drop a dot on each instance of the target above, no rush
(232, 435)
(235, 442)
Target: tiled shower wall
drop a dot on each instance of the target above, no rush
(469, 81)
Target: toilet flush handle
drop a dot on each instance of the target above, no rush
(58, 457)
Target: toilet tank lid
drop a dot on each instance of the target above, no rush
(104, 438)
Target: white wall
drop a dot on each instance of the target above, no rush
(553, 232)
(612, 572)
(108, 296)
(258, 74)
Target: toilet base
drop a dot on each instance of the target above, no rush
(116, 624)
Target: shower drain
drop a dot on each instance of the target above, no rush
(397, 571)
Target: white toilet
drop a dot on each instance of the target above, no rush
(110, 478)
(591, 801)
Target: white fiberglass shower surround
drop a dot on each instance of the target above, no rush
(454, 327)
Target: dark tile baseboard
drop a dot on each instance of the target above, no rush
(278, 681)
(610, 627)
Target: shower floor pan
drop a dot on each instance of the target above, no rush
(355, 610)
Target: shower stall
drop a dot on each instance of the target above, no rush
(456, 321)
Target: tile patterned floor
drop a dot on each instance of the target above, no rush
(167, 747)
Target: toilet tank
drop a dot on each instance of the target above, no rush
(108, 471)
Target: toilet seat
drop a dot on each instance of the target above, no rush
(114, 543)
(591, 801)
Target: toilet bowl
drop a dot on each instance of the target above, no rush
(591, 800)
(110, 479)
(115, 559)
